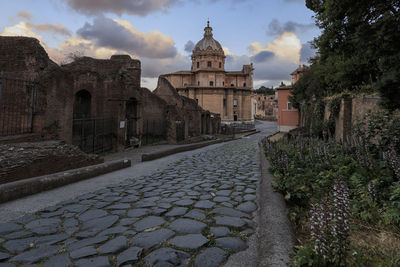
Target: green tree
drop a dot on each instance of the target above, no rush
(359, 45)
(265, 91)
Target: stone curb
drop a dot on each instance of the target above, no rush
(164, 153)
(275, 233)
(251, 133)
(22, 188)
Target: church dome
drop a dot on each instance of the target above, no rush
(208, 45)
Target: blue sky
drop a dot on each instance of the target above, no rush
(272, 34)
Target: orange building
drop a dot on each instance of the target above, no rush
(288, 117)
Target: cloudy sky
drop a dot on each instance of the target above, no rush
(273, 34)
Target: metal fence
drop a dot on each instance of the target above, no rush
(154, 130)
(93, 135)
(20, 101)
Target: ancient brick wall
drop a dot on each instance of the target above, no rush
(26, 160)
(22, 57)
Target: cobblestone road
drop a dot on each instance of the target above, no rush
(196, 212)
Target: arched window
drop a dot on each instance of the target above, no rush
(211, 83)
(209, 64)
(198, 64)
(220, 65)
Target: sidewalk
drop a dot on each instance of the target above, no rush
(136, 154)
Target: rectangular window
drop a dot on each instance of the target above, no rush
(235, 103)
(198, 64)
(224, 102)
(209, 64)
(197, 100)
(289, 106)
(220, 65)
(211, 83)
(244, 84)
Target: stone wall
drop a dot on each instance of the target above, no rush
(352, 109)
(185, 111)
(22, 57)
(93, 88)
(25, 160)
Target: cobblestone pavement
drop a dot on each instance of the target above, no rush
(196, 212)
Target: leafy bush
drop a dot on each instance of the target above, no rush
(307, 168)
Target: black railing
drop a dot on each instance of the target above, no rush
(93, 135)
(19, 100)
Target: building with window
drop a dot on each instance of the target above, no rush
(227, 93)
(288, 116)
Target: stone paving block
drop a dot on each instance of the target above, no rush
(46, 229)
(76, 208)
(94, 262)
(36, 255)
(132, 254)
(177, 211)
(195, 214)
(233, 243)
(248, 232)
(221, 199)
(86, 242)
(18, 235)
(128, 221)
(26, 218)
(220, 231)
(229, 212)
(249, 197)
(120, 206)
(51, 239)
(83, 252)
(144, 204)
(138, 212)
(61, 260)
(191, 241)
(4, 256)
(167, 257)
(224, 193)
(114, 230)
(92, 214)
(187, 226)
(204, 204)
(43, 222)
(151, 239)
(85, 234)
(247, 207)
(100, 223)
(71, 222)
(148, 222)
(115, 245)
(158, 211)
(18, 245)
(229, 221)
(184, 202)
(211, 257)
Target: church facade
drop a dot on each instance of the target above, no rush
(227, 93)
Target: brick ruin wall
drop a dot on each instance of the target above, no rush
(26, 160)
(111, 83)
